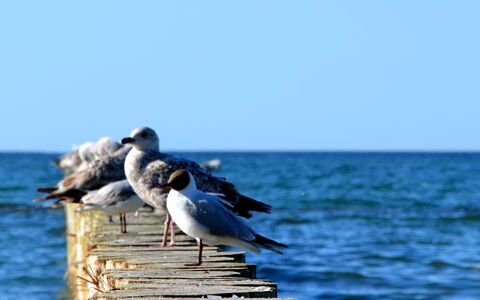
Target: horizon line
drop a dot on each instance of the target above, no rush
(273, 151)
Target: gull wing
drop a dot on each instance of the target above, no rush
(209, 211)
(111, 193)
(163, 165)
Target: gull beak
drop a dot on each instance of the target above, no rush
(127, 140)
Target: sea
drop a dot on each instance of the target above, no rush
(358, 225)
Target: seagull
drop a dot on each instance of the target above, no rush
(89, 174)
(114, 198)
(82, 156)
(99, 173)
(208, 218)
(147, 168)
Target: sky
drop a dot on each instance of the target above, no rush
(242, 75)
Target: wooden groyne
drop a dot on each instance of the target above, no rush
(105, 264)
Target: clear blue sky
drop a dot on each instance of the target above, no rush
(280, 75)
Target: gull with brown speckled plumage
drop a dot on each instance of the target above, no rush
(147, 169)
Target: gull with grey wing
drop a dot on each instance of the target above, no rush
(147, 169)
(209, 219)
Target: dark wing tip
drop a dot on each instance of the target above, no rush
(46, 189)
(248, 204)
(268, 243)
(74, 194)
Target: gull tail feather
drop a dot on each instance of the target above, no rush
(242, 244)
(255, 205)
(268, 244)
(47, 197)
(73, 194)
(242, 205)
(246, 204)
(46, 189)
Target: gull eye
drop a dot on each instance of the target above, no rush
(144, 135)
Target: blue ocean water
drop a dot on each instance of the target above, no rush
(358, 225)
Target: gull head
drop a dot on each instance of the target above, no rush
(180, 180)
(86, 152)
(106, 146)
(143, 138)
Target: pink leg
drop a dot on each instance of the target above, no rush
(168, 220)
(172, 233)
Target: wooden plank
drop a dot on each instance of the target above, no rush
(192, 291)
